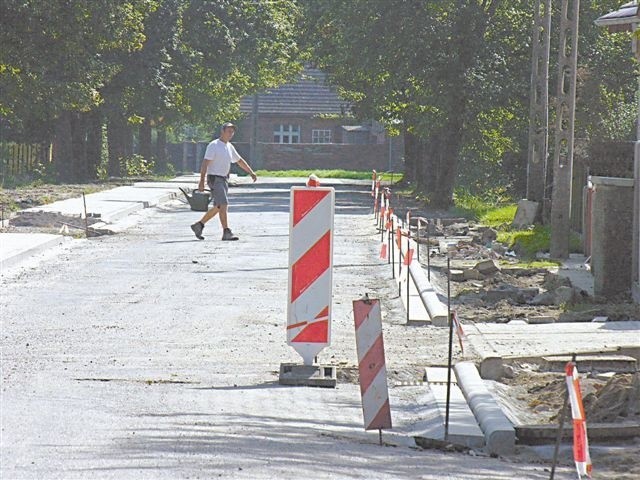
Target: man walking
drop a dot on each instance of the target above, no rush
(218, 157)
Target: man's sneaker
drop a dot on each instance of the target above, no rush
(197, 229)
(228, 235)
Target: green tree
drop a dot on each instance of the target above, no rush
(455, 76)
(71, 66)
(54, 60)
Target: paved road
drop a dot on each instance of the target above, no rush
(152, 355)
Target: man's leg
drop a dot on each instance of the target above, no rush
(212, 212)
(199, 226)
(223, 209)
(227, 234)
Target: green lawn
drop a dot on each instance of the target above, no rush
(350, 174)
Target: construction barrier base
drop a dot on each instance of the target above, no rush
(308, 375)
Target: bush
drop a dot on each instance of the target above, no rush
(137, 166)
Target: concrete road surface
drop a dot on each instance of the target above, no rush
(152, 355)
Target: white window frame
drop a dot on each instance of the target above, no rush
(287, 134)
(320, 136)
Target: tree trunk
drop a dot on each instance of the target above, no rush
(94, 144)
(411, 157)
(445, 145)
(116, 144)
(161, 147)
(79, 147)
(144, 139)
(62, 147)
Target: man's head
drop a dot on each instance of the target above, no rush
(227, 131)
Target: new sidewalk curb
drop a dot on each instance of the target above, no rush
(500, 435)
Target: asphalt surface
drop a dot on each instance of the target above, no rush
(151, 354)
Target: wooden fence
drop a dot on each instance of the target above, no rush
(18, 158)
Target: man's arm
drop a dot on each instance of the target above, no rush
(245, 166)
(203, 172)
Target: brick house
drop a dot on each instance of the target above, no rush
(306, 125)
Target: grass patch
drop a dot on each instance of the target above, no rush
(529, 242)
(337, 173)
(496, 210)
(493, 209)
(534, 240)
(532, 264)
(499, 216)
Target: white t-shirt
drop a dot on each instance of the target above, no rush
(222, 155)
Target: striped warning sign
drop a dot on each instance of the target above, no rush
(371, 364)
(580, 439)
(310, 270)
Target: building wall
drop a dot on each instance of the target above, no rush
(267, 123)
(307, 156)
(378, 152)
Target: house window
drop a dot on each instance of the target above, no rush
(286, 134)
(320, 136)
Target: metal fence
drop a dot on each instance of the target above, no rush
(19, 158)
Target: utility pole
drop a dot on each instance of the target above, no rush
(565, 119)
(539, 103)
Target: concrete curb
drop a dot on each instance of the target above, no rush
(18, 249)
(500, 435)
(463, 427)
(436, 310)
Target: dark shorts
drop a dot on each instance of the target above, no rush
(219, 187)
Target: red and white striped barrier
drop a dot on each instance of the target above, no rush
(373, 183)
(310, 270)
(371, 364)
(459, 331)
(580, 439)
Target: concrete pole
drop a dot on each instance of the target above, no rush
(539, 103)
(565, 118)
(635, 283)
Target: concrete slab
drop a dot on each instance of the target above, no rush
(576, 269)
(424, 304)
(463, 428)
(546, 434)
(417, 312)
(526, 213)
(528, 341)
(593, 363)
(308, 375)
(15, 247)
(438, 375)
(110, 205)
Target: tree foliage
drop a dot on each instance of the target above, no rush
(453, 77)
(69, 67)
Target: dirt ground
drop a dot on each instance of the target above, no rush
(491, 286)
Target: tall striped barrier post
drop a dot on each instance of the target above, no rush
(371, 365)
(310, 285)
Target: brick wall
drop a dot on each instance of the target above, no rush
(307, 156)
(267, 124)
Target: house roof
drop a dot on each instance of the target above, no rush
(309, 95)
(621, 19)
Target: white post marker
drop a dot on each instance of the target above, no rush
(371, 364)
(310, 270)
